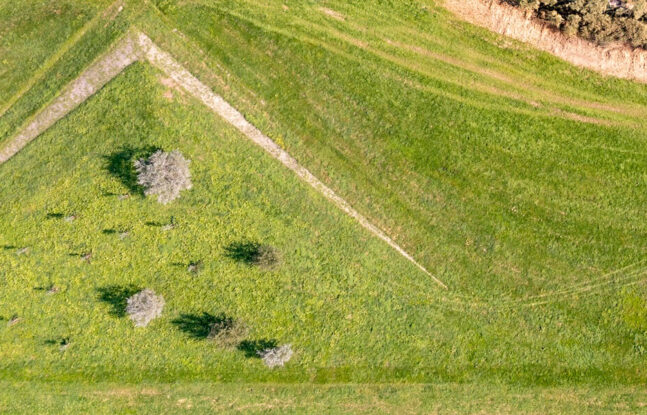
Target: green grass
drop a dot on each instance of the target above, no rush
(206, 398)
(466, 152)
(331, 266)
(32, 31)
(492, 194)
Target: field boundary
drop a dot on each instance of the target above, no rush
(136, 46)
(114, 9)
(615, 60)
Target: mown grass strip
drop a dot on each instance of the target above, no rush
(65, 47)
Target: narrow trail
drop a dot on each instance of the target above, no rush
(504, 19)
(136, 46)
(76, 92)
(111, 11)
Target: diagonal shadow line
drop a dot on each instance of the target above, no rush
(135, 46)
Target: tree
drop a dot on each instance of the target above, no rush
(277, 356)
(602, 21)
(164, 174)
(144, 307)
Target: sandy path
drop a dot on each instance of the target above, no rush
(89, 82)
(110, 12)
(138, 46)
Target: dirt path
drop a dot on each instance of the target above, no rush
(109, 12)
(89, 82)
(619, 61)
(138, 46)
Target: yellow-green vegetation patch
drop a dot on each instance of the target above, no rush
(517, 179)
(79, 238)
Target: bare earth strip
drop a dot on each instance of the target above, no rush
(620, 61)
(139, 46)
(111, 11)
(89, 82)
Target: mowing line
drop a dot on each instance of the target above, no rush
(135, 46)
(589, 291)
(631, 270)
(65, 47)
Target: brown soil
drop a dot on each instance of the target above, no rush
(616, 60)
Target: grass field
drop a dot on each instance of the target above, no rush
(516, 179)
(264, 398)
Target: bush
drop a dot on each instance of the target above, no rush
(144, 307)
(253, 253)
(277, 356)
(227, 332)
(602, 21)
(164, 174)
(266, 257)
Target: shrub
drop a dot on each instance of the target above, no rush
(227, 332)
(164, 174)
(253, 253)
(277, 356)
(267, 257)
(144, 307)
(195, 267)
(602, 21)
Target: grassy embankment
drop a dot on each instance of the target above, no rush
(513, 177)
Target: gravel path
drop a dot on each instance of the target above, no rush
(89, 82)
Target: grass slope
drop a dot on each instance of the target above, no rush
(512, 176)
(467, 153)
(353, 308)
(336, 280)
(32, 31)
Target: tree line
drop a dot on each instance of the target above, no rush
(601, 21)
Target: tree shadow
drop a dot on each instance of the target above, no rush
(243, 251)
(49, 288)
(251, 348)
(199, 326)
(120, 164)
(117, 296)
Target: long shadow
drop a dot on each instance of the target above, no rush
(243, 251)
(199, 326)
(117, 296)
(120, 164)
(155, 224)
(251, 348)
